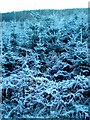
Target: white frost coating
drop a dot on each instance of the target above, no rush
(45, 67)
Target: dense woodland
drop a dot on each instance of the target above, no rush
(45, 64)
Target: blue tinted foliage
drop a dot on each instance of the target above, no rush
(45, 66)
